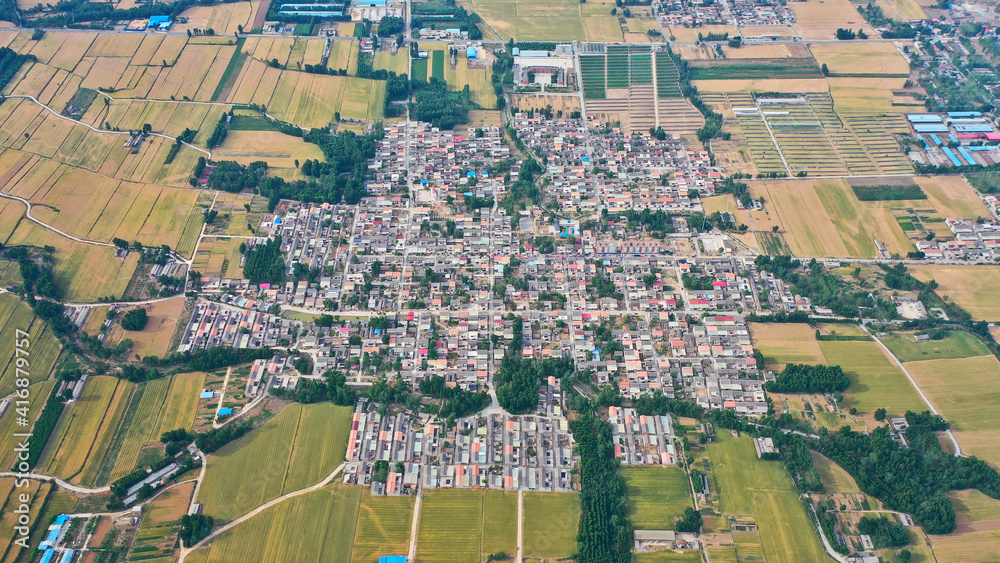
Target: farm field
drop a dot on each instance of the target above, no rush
(310, 100)
(761, 490)
(821, 20)
(83, 272)
(450, 529)
(157, 406)
(278, 149)
(39, 493)
(656, 495)
(966, 392)
(44, 347)
(902, 9)
(690, 34)
(154, 339)
(398, 63)
(824, 218)
(668, 556)
(550, 20)
(478, 79)
(219, 256)
(316, 526)
(875, 381)
(161, 521)
(952, 196)
(835, 479)
(39, 393)
(862, 58)
(959, 344)
(499, 522)
(868, 95)
(551, 522)
(383, 526)
(976, 537)
(974, 288)
(225, 19)
(82, 437)
(763, 85)
(790, 343)
(295, 449)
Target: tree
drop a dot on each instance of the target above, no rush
(826, 70)
(135, 319)
(880, 414)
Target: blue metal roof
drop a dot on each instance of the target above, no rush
(930, 128)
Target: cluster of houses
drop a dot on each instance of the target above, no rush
(956, 138)
(974, 241)
(746, 13)
(593, 166)
(497, 451)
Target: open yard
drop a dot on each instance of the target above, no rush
(974, 288)
(656, 495)
(852, 58)
(761, 490)
(317, 526)
(295, 449)
(825, 218)
(154, 339)
(966, 392)
(551, 522)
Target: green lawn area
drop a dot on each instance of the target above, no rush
(551, 522)
(656, 495)
(875, 381)
(668, 557)
(959, 344)
(748, 487)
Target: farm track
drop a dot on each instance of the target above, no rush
(60, 482)
(329, 478)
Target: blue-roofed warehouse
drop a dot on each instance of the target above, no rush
(923, 118)
(973, 128)
(157, 21)
(472, 52)
(392, 559)
(964, 114)
(930, 128)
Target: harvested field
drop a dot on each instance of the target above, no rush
(824, 218)
(866, 95)
(83, 272)
(324, 524)
(952, 196)
(690, 34)
(974, 288)
(970, 402)
(550, 20)
(816, 20)
(763, 85)
(902, 9)
(551, 522)
(225, 19)
(786, 344)
(852, 58)
(279, 150)
(219, 257)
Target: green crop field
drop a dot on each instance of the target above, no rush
(656, 495)
(450, 527)
(499, 522)
(551, 522)
(275, 457)
(317, 526)
(875, 381)
(38, 394)
(762, 490)
(967, 393)
(725, 69)
(437, 65)
(383, 527)
(959, 344)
